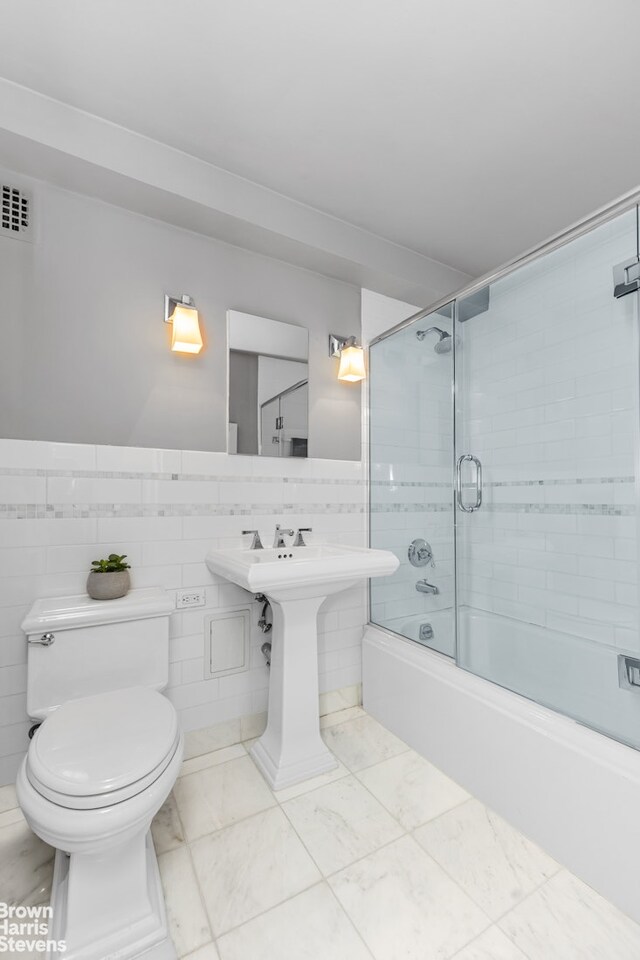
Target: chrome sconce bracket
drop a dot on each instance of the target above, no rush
(351, 356)
(170, 304)
(337, 344)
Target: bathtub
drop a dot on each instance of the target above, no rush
(570, 789)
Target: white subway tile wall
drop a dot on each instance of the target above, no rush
(63, 505)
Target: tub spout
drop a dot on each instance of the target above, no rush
(423, 587)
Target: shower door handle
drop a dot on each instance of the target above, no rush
(472, 507)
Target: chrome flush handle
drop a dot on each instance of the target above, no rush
(45, 640)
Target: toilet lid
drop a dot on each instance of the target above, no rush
(99, 750)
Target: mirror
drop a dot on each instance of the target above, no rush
(268, 403)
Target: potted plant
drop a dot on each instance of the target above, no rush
(109, 579)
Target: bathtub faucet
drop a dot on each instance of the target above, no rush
(423, 587)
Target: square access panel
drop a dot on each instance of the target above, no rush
(227, 636)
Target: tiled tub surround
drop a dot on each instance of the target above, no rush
(63, 505)
(554, 552)
(384, 858)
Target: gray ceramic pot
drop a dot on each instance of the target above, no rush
(108, 586)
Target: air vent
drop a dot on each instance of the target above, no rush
(15, 216)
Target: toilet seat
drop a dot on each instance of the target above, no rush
(100, 750)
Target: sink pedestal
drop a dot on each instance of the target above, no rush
(296, 580)
(291, 748)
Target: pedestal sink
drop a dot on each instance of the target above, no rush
(296, 580)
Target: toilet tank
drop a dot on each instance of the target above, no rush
(97, 646)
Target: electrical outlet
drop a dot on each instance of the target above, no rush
(189, 598)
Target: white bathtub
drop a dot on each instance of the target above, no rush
(572, 790)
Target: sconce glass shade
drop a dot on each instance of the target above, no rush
(185, 335)
(352, 364)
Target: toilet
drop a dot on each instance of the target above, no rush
(100, 765)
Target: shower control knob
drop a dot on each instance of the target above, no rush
(420, 553)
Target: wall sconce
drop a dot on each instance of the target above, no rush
(182, 313)
(351, 358)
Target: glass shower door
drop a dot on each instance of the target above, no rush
(284, 423)
(410, 432)
(270, 433)
(294, 405)
(547, 460)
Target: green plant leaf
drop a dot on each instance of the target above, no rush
(113, 564)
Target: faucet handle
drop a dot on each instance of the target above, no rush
(256, 543)
(299, 540)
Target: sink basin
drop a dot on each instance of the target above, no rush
(297, 572)
(296, 580)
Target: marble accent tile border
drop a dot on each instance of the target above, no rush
(101, 511)
(432, 484)
(562, 481)
(411, 507)
(134, 475)
(589, 509)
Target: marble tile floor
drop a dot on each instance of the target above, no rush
(384, 858)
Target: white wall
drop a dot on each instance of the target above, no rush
(380, 313)
(85, 357)
(64, 505)
(86, 354)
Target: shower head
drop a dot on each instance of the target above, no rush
(444, 339)
(444, 345)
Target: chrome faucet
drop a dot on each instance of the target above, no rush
(281, 533)
(299, 540)
(256, 543)
(423, 587)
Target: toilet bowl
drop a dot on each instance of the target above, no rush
(98, 769)
(97, 772)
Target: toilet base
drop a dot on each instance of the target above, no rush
(140, 930)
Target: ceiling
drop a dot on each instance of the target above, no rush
(466, 130)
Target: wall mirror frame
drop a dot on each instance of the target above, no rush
(268, 387)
